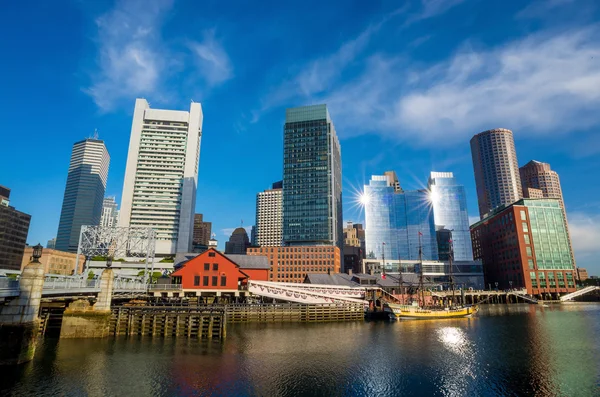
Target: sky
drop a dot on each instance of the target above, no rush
(407, 85)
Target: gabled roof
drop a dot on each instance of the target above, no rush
(330, 279)
(249, 261)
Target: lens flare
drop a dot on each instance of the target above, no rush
(364, 199)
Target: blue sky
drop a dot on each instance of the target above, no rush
(407, 84)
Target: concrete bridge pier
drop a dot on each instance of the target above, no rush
(19, 322)
(82, 320)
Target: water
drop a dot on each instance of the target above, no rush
(519, 350)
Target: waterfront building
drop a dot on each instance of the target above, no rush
(525, 245)
(496, 169)
(444, 241)
(55, 261)
(238, 242)
(202, 231)
(312, 178)
(84, 192)
(540, 181)
(395, 219)
(292, 264)
(269, 216)
(161, 175)
(51, 244)
(213, 274)
(466, 274)
(582, 274)
(449, 202)
(14, 227)
(110, 213)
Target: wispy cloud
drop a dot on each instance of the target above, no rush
(541, 8)
(212, 59)
(130, 59)
(432, 8)
(585, 234)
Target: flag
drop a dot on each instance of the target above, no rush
(449, 241)
(420, 234)
(383, 276)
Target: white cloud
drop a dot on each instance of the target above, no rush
(212, 59)
(543, 84)
(585, 237)
(131, 58)
(433, 8)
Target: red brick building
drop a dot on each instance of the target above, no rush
(292, 264)
(526, 245)
(214, 274)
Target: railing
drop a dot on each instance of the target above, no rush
(165, 287)
(69, 282)
(577, 293)
(7, 283)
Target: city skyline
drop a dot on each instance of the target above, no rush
(250, 124)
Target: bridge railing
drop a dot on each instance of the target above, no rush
(69, 282)
(7, 283)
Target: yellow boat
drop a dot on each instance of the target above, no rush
(406, 312)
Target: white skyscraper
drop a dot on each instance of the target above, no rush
(269, 217)
(161, 175)
(110, 213)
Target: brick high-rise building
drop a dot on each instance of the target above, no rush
(496, 169)
(14, 227)
(202, 231)
(525, 245)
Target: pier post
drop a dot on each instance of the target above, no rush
(19, 321)
(81, 320)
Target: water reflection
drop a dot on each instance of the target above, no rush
(507, 350)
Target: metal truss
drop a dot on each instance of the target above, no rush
(116, 242)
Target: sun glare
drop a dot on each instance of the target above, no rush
(364, 198)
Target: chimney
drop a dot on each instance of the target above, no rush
(350, 272)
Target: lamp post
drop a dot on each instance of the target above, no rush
(510, 283)
(37, 253)
(496, 285)
(489, 286)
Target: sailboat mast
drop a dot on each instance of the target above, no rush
(450, 257)
(421, 271)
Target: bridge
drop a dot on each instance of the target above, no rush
(57, 285)
(580, 292)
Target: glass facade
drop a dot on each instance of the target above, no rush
(549, 234)
(449, 201)
(396, 218)
(312, 178)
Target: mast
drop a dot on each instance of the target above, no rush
(421, 270)
(400, 281)
(450, 257)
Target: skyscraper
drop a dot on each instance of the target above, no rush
(202, 231)
(449, 201)
(395, 219)
(14, 227)
(238, 242)
(539, 181)
(84, 193)
(110, 213)
(161, 175)
(312, 178)
(496, 169)
(269, 217)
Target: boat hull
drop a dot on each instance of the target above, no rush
(416, 313)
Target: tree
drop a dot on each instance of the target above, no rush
(90, 275)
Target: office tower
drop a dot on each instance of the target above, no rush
(84, 193)
(539, 181)
(444, 239)
(449, 201)
(51, 244)
(253, 236)
(496, 169)
(238, 242)
(312, 178)
(269, 217)
(354, 247)
(14, 226)
(526, 245)
(110, 213)
(292, 264)
(395, 219)
(161, 175)
(202, 231)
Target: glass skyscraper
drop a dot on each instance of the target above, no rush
(449, 201)
(84, 193)
(312, 178)
(394, 218)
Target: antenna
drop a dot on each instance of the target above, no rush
(95, 135)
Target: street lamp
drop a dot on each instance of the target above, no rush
(510, 283)
(109, 260)
(489, 286)
(37, 253)
(496, 284)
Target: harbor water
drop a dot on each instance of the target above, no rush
(506, 350)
